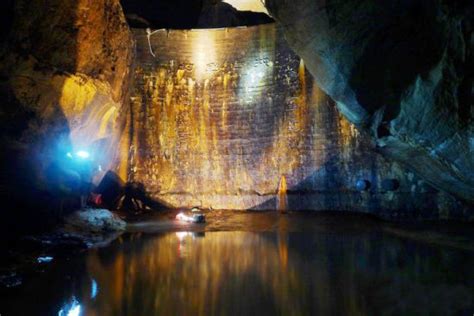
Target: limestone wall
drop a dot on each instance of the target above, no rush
(221, 116)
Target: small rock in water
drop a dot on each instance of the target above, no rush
(44, 259)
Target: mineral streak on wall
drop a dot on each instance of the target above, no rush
(220, 116)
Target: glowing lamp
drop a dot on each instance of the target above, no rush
(196, 218)
(83, 154)
(73, 308)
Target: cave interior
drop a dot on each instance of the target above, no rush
(237, 157)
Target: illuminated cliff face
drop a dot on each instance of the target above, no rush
(221, 117)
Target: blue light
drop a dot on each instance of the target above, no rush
(75, 311)
(83, 154)
(94, 289)
(71, 309)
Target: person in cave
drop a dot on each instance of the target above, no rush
(70, 182)
(63, 186)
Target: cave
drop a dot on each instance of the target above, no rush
(237, 157)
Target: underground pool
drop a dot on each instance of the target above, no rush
(259, 264)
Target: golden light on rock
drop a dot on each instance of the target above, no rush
(220, 115)
(204, 57)
(282, 195)
(87, 108)
(248, 5)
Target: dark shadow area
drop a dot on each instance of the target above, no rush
(34, 137)
(408, 46)
(323, 192)
(183, 14)
(6, 18)
(31, 183)
(131, 197)
(466, 91)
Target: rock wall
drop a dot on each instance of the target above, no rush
(231, 119)
(64, 69)
(401, 71)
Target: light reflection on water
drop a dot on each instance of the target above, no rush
(289, 273)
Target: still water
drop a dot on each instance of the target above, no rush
(321, 269)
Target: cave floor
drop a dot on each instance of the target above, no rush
(259, 263)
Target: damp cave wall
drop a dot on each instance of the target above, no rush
(64, 77)
(220, 116)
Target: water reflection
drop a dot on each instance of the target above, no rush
(330, 270)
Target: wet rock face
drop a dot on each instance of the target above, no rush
(231, 119)
(401, 71)
(63, 70)
(91, 38)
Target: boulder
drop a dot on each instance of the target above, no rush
(95, 220)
